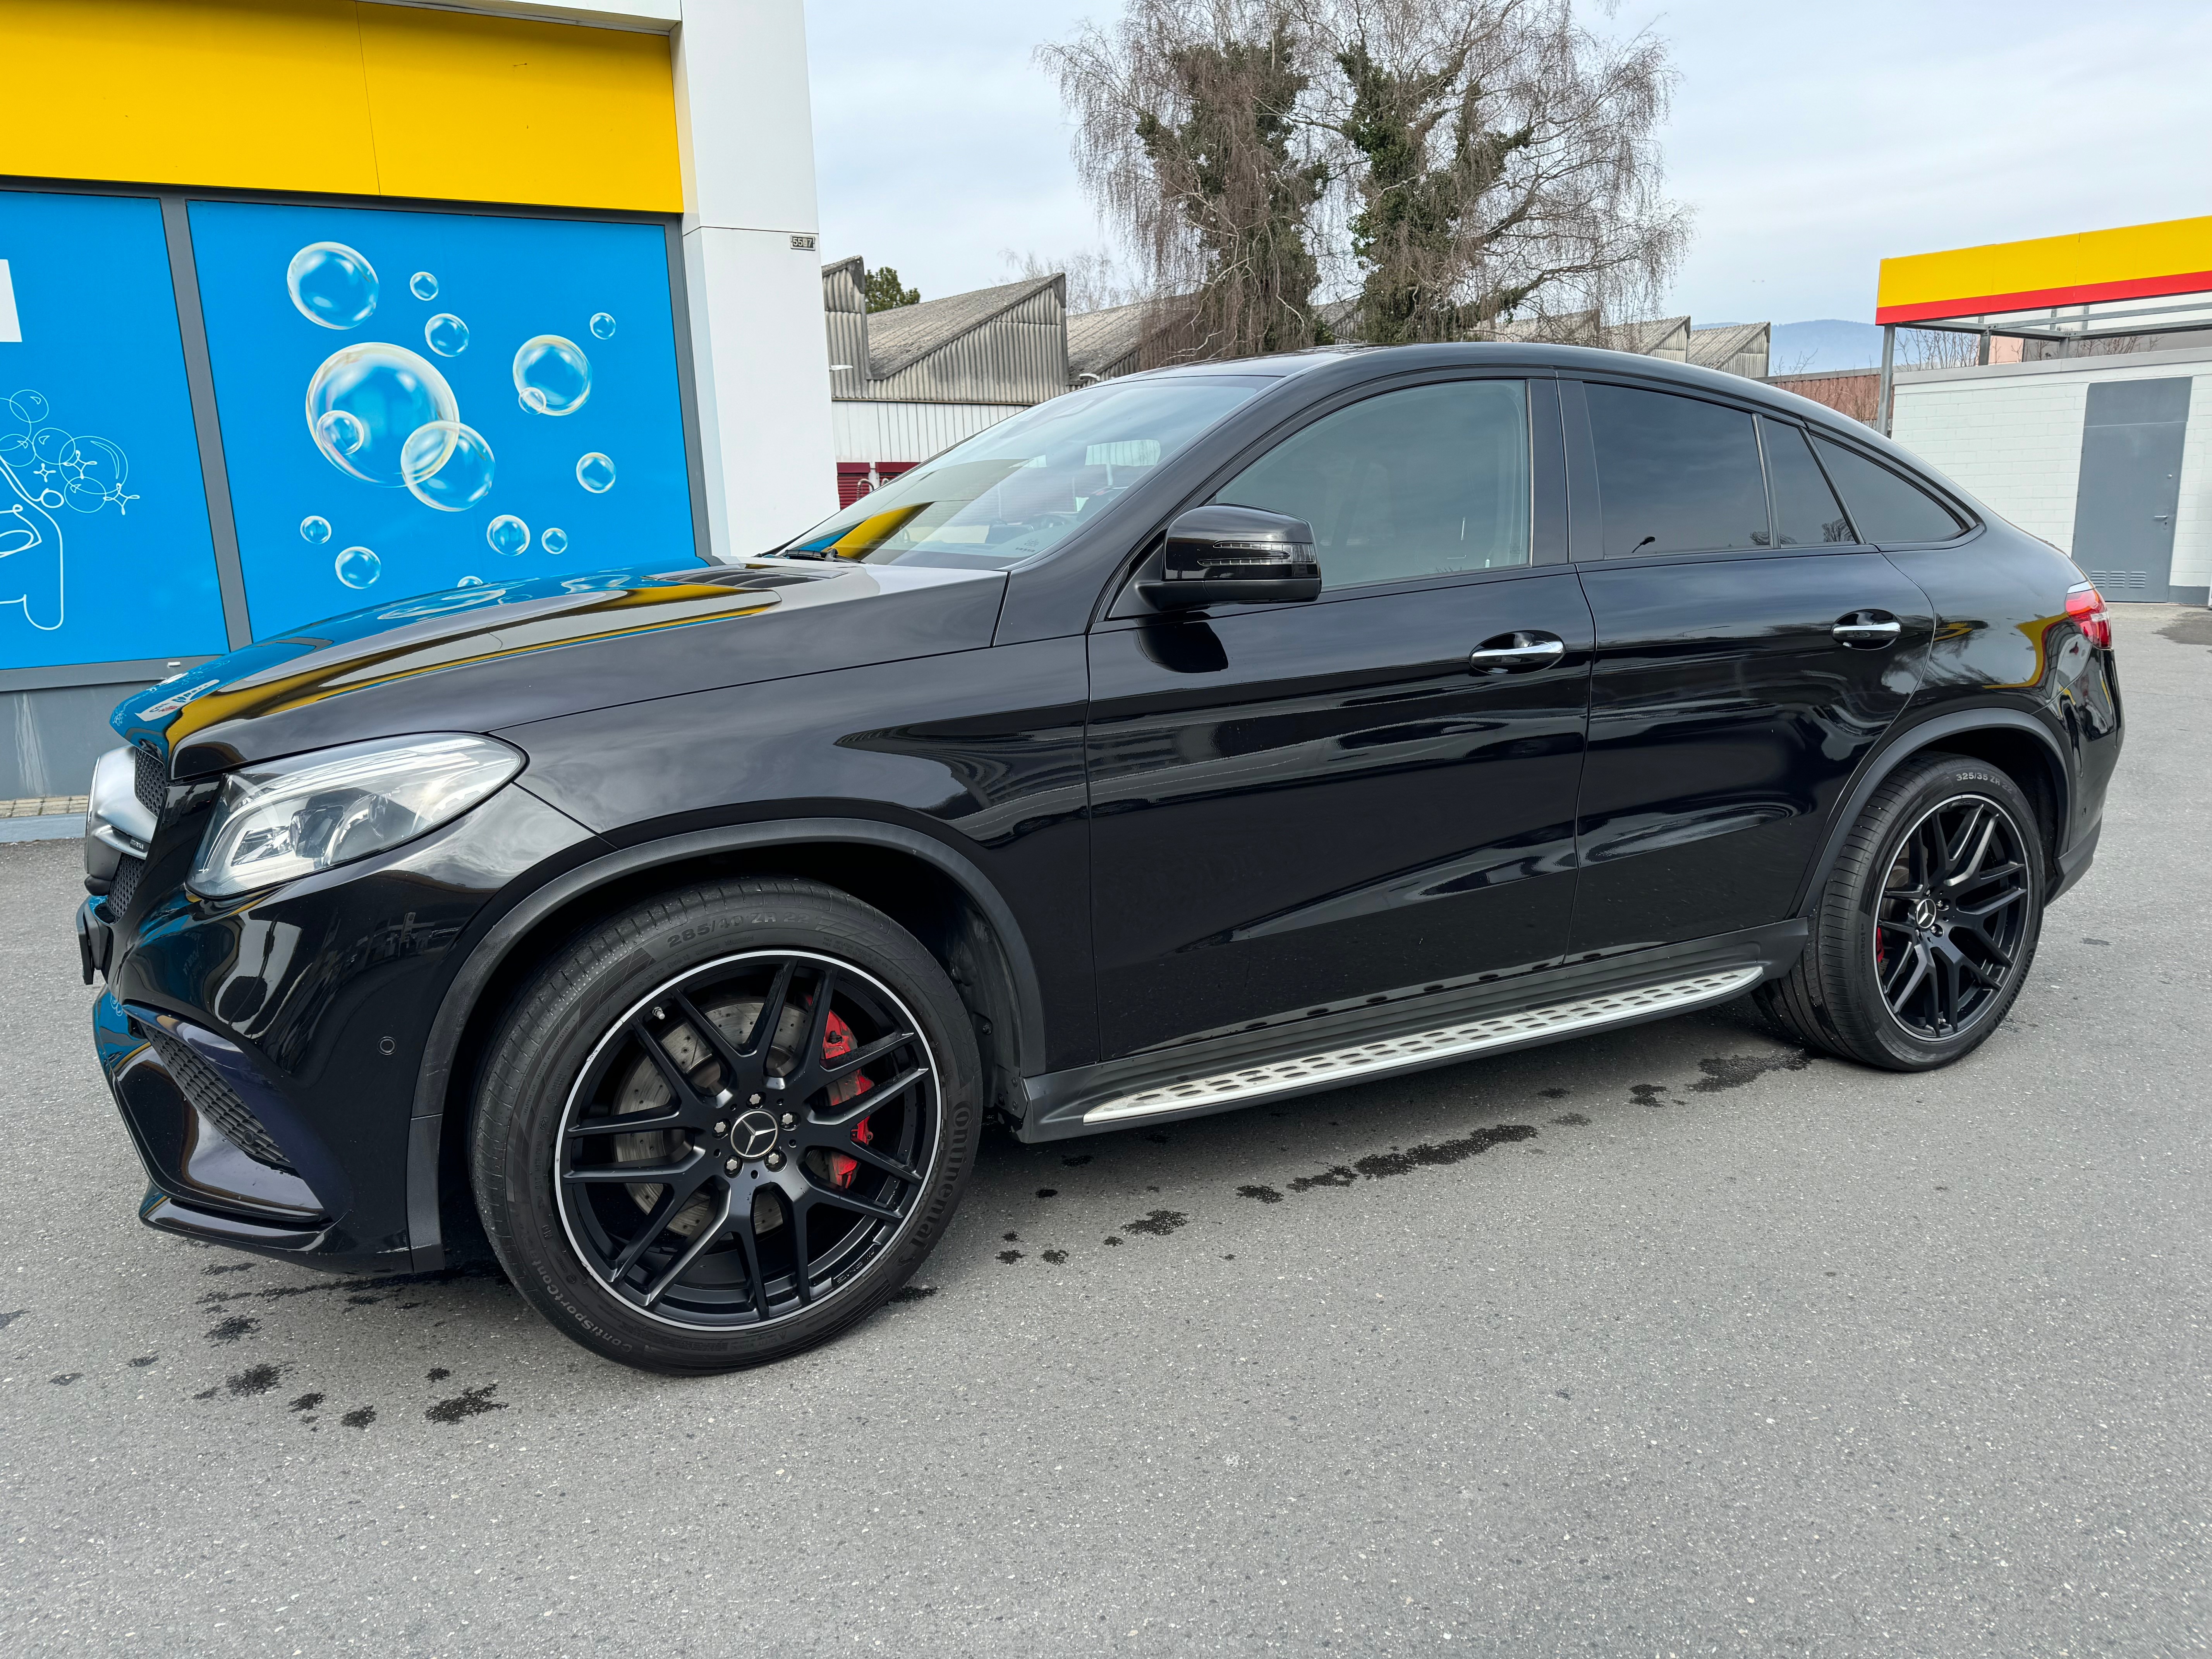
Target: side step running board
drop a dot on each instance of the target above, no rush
(1252, 1083)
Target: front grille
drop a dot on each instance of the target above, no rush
(203, 1086)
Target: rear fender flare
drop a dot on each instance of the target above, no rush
(1901, 748)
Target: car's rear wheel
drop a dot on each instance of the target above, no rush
(722, 1126)
(1926, 929)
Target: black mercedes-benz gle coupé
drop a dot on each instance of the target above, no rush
(1199, 738)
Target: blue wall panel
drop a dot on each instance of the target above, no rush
(105, 551)
(410, 401)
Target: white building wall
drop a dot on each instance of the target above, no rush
(745, 129)
(2010, 433)
(909, 432)
(2017, 446)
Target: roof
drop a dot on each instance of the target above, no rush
(1098, 340)
(1712, 348)
(1650, 336)
(902, 336)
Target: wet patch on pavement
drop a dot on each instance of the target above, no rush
(1734, 1071)
(469, 1402)
(1159, 1224)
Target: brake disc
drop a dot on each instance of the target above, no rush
(645, 1090)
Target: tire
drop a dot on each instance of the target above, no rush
(1916, 915)
(812, 1156)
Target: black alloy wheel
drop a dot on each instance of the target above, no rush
(1925, 931)
(747, 1138)
(1950, 918)
(723, 1125)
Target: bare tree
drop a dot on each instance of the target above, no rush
(1501, 165)
(1937, 348)
(1095, 281)
(1461, 168)
(1189, 138)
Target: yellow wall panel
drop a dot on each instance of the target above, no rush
(504, 110)
(332, 95)
(250, 93)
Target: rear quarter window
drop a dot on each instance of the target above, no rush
(1886, 505)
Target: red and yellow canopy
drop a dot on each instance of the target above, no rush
(2133, 262)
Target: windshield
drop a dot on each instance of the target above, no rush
(1008, 494)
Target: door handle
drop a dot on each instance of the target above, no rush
(1869, 630)
(1517, 653)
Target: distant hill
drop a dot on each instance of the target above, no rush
(1828, 343)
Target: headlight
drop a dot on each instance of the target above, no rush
(284, 819)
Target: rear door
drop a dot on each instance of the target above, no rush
(1299, 808)
(1750, 651)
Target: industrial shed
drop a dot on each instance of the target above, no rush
(1733, 348)
(909, 382)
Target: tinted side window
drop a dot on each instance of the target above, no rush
(1419, 482)
(1675, 475)
(1806, 512)
(1885, 504)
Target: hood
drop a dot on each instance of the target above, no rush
(481, 659)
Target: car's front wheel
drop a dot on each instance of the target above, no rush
(1924, 935)
(723, 1125)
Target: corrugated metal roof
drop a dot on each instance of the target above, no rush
(1100, 343)
(899, 339)
(1719, 347)
(1653, 336)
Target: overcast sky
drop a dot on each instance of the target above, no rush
(1810, 138)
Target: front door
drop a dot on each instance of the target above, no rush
(1749, 654)
(1299, 808)
(2130, 486)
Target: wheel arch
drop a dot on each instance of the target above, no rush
(2017, 743)
(930, 889)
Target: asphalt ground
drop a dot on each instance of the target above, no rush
(1671, 1341)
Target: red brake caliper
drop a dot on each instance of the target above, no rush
(836, 1044)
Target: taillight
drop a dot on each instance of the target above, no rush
(2087, 606)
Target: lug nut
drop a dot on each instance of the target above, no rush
(788, 1119)
(733, 1166)
(721, 1128)
(755, 1101)
(775, 1160)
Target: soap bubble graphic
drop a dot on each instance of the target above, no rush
(555, 540)
(552, 376)
(507, 534)
(446, 466)
(315, 529)
(596, 473)
(29, 405)
(603, 325)
(474, 581)
(449, 335)
(340, 432)
(357, 567)
(422, 285)
(365, 400)
(332, 284)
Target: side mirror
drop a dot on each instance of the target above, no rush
(1235, 556)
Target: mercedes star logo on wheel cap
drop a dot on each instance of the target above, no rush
(753, 1135)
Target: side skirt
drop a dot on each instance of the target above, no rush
(1223, 1074)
